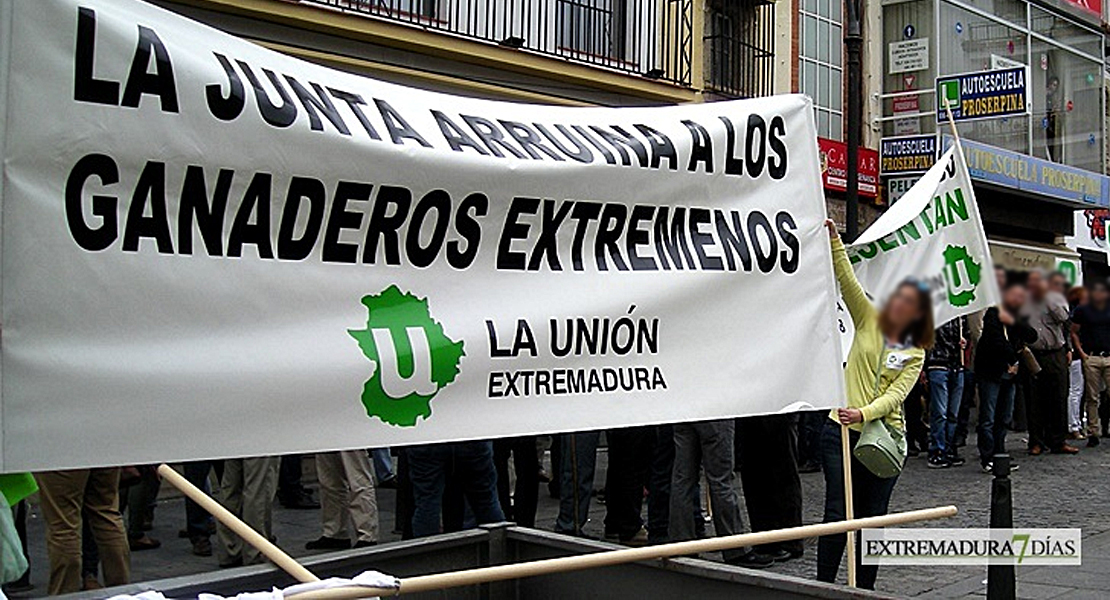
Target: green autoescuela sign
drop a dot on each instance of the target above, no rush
(982, 95)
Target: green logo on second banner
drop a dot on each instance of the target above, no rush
(962, 274)
(413, 358)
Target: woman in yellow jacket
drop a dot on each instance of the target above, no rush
(883, 365)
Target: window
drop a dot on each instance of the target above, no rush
(592, 27)
(741, 47)
(821, 63)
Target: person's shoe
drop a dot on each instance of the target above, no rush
(1077, 435)
(809, 467)
(987, 467)
(143, 543)
(202, 546)
(302, 500)
(913, 452)
(1035, 450)
(328, 543)
(752, 560)
(18, 587)
(1065, 449)
(955, 460)
(90, 582)
(938, 462)
(1093, 441)
(1014, 467)
(636, 540)
(388, 484)
(364, 544)
(778, 555)
(231, 563)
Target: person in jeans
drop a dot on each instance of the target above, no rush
(470, 464)
(945, 375)
(1047, 312)
(577, 463)
(70, 498)
(997, 364)
(708, 445)
(883, 365)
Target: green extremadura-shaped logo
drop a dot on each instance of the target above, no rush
(963, 275)
(413, 358)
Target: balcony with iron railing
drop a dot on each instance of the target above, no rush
(645, 38)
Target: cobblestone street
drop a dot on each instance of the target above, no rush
(1049, 491)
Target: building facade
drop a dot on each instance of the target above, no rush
(569, 52)
(1036, 168)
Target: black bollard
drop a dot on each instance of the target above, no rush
(1001, 584)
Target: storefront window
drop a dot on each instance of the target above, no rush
(1062, 56)
(1067, 106)
(821, 64)
(1065, 32)
(977, 43)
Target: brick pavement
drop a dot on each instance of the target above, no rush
(1049, 491)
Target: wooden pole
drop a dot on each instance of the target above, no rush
(849, 501)
(443, 581)
(250, 536)
(952, 123)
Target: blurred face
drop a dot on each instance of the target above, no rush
(1100, 295)
(1037, 285)
(1014, 297)
(903, 308)
(1057, 283)
(1000, 277)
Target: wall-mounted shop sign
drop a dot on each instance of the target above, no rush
(908, 55)
(983, 95)
(1034, 175)
(909, 154)
(834, 167)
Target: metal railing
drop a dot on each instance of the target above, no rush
(740, 42)
(651, 38)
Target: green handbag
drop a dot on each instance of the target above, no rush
(881, 448)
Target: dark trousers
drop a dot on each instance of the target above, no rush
(964, 417)
(1047, 405)
(519, 504)
(996, 408)
(659, 483)
(138, 500)
(19, 515)
(578, 461)
(289, 479)
(405, 504)
(198, 523)
(769, 475)
(810, 424)
(871, 497)
(917, 435)
(471, 464)
(625, 479)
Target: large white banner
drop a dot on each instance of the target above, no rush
(934, 234)
(211, 249)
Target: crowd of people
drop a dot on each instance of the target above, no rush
(1037, 363)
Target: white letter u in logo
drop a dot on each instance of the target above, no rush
(420, 381)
